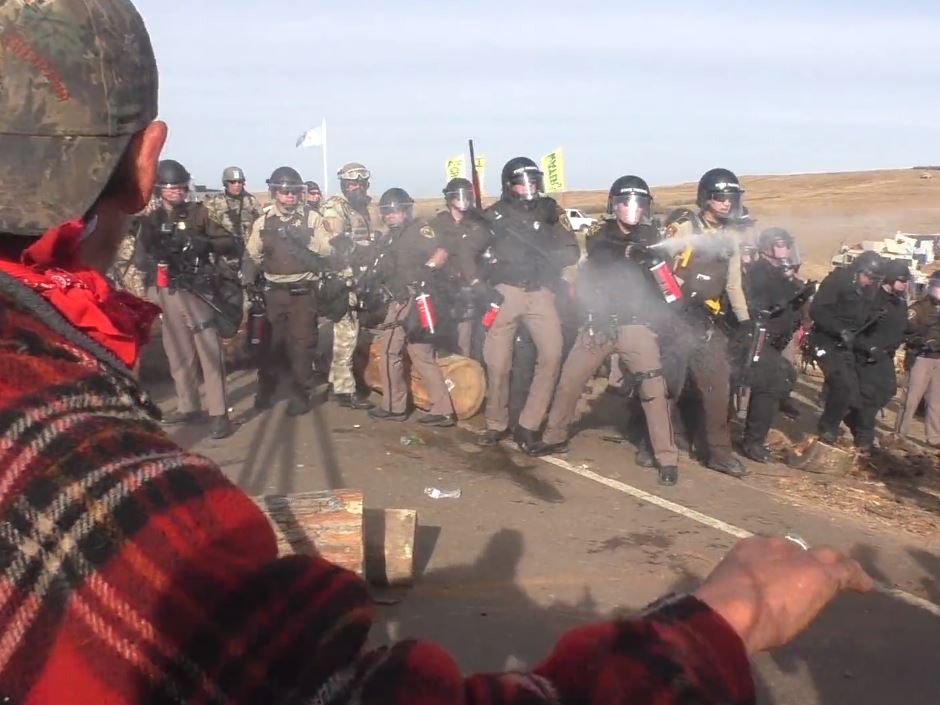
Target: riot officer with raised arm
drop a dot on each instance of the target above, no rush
(622, 309)
(175, 253)
(530, 246)
(288, 247)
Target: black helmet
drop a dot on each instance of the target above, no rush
(171, 173)
(634, 193)
(720, 185)
(896, 270)
(933, 286)
(522, 171)
(871, 264)
(778, 247)
(312, 187)
(459, 193)
(396, 199)
(285, 178)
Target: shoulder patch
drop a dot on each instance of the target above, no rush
(596, 227)
(428, 232)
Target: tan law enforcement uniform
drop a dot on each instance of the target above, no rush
(280, 245)
(923, 382)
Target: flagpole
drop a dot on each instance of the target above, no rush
(326, 176)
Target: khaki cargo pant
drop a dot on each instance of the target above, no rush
(537, 310)
(638, 347)
(393, 343)
(923, 382)
(191, 342)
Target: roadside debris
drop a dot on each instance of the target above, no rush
(435, 493)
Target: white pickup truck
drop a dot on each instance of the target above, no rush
(579, 221)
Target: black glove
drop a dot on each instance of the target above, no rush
(199, 244)
(743, 334)
(342, 245)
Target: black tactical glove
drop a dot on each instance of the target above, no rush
(342, 245)
(199, 244)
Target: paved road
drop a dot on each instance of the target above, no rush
(532, 548)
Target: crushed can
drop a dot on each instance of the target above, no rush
(667, 282)
(163, 275)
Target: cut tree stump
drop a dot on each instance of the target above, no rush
(376, 543)
(390, 544)
(327, 523)
(818, 457)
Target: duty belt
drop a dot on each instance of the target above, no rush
(293, 288)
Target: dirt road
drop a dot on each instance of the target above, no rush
(533, 546)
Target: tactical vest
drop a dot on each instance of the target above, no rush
(355, 224)
(703, 264)
(280, 242)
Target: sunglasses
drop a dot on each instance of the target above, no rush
(288, 192)
(235, 181)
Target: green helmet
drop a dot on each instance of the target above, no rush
(232, 173)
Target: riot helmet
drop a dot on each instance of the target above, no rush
(313, 193)
(720, 193)
(233, 180)
(522, 180)
(458, 193)
(933, 287)
(871, 265)
(897, 274)
(630, 200)
(396, 207)
(172, 181)
(286, 187)
(777, 247)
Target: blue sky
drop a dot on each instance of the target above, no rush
(664, 90)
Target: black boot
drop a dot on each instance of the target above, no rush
(540, 448)
(755, 451)
(177, 418)
(668, 475)
(352, 401)
(728, 465)
(220, 426)
(644, 456)
(439, 420)
(378, 412)
(298, 406)
(492, 438)
(525, 438)
(829, 436)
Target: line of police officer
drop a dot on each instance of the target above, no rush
(679, 309)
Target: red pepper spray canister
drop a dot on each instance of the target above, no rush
(257, 323)
(489, 318)
(426, 312)
(163, 275)
(668, 285)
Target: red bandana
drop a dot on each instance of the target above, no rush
(115, 319)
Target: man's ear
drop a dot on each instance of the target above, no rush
(141, 162)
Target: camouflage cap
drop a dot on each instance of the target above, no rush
(77, 80)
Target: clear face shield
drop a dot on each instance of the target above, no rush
(461, 199)
(527, 185)
(288, 196)
(395, 215)
(632, 208)
(173, 194)
(726, 202)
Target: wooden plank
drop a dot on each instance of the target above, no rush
(390, 543)
(327, 523)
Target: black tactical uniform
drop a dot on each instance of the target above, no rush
(774, 297)
(530, 246)
(843, 307)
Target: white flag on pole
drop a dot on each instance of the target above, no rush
(314, 137)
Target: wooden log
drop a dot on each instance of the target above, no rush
(390, 543)
(823, 458)
(463, 376)
(327, 523)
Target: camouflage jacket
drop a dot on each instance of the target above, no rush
(343, 219)
(235, 215)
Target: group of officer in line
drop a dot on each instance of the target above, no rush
(698, 312)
